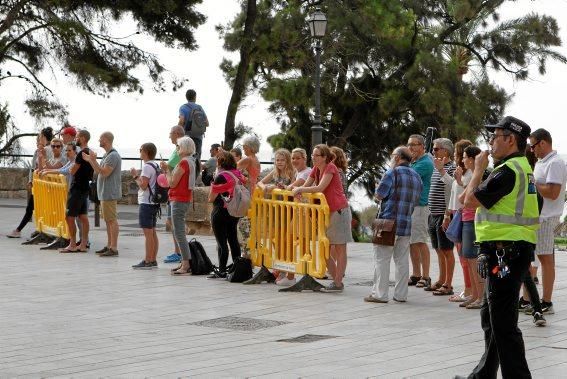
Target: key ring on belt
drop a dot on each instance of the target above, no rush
(500, 256)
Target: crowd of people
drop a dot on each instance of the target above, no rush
(495, 219)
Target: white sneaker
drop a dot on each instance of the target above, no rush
(285, 282)
(14, 234)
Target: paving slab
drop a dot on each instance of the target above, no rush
(83, 316)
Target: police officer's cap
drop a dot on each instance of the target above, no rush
(512, 124)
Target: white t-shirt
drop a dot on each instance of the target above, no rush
(551, 169)
(149, 172)
(303, 174)
(457, 190)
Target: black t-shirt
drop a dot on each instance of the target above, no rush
(84, 174)
(220, 179)
(498, 184)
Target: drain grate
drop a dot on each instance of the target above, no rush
(238, 323)
(307, 338)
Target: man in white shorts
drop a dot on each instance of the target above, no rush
(422, 163)
(550, 174)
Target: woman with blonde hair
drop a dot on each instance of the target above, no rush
(325, 177)
(282, 175)
(299, 162)
(249, 166)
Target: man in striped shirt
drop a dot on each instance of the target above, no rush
(439, 195)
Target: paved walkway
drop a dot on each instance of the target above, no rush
(79, 315)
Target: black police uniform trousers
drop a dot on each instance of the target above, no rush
(503, 340)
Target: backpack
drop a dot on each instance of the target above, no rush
(192, 169)
(198, 124)
(160, 194)
(200, 262)
(238, 204)
(240, 271)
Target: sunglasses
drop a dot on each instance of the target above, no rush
(532, 147)
(438, 148)
(60, 146)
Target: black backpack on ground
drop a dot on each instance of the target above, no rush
(200, 262)
(240, 271)
(160, 194)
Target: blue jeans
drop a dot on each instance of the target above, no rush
(178, 211)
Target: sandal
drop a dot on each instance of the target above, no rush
(458, 298)
(433, 287)
(475, 305)
(443, 291)
(181, 272)
(177, 268)
(469, 301)
(423, 282)
(413, 280)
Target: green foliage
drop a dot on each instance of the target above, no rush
(390, 68)
(79, 39)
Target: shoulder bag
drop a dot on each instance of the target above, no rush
(383, 229)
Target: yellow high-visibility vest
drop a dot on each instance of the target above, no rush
(515, 217)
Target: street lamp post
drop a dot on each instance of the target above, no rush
(317, 27)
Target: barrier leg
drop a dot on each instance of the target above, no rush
(263, 275)
(58, 243)
(307, 283)
(39, 238)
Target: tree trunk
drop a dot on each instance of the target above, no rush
(240, 81)
(11, 141)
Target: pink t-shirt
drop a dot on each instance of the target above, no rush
(334, 192)
(468, 214)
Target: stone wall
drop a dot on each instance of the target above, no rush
(13, 185)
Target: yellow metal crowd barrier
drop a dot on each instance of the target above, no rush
(289, 234)
(49, 201)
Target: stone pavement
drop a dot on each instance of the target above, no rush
(79, 315)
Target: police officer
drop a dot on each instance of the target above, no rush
(505, 224)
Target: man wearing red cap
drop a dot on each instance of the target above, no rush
(68, 134)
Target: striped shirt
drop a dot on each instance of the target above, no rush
(437, 196)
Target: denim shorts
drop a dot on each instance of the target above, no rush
(147, 216)
(470, 251)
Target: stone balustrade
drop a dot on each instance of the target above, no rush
(13, 185)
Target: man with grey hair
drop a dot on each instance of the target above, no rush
(175, 133)
(419, 251)
(439, 195)
(109, 190)
(399, 192)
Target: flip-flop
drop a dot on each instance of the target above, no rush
(68, 251)
(82, 250)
